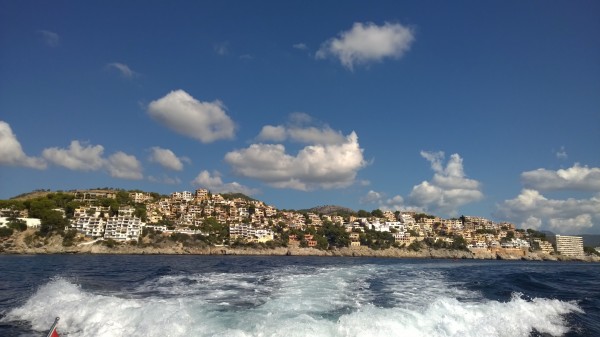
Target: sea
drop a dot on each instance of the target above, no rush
(165, 295)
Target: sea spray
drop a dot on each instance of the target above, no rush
(348, 300)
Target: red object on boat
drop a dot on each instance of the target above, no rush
(53, 332)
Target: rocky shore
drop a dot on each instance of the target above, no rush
(23, 244)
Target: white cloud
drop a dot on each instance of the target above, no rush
(563, 216)
(300, 46)
(11, 152)
(577, 177)
(76, 157)
(395, 203)
(448, 189)
(273, 133)
(165, 180)
(315, 166)
(124, 166)
(532, 222)
(562, 153)
(368, 42)
(578, 223)
(122, 68)
(51, 39)
(182, 113)
(371, 197)
(297, 130)
(167, 159)
(214, 183)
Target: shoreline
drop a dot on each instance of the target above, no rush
(19, 245)
(294, 251)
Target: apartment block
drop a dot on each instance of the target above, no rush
(569, 245)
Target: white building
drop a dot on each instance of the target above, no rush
(123, 228)
(569, 245)
(30, 222)
(89, 226)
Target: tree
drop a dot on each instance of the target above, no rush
(52, 221)
(590, 251)
(6, 232)
(459, 243)
(377, 213)
(123, 198)
(335, 235)
(363, 214)
(415, 246)
(17, 224)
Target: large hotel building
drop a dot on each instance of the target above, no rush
(569, 245)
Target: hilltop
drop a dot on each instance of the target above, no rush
(330, 210)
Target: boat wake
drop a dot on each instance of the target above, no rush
(317, 302)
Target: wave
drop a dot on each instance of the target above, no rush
(289, 302)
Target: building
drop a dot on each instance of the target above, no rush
(123, 228)
(569, 245)
(30, 222)
(545, 246)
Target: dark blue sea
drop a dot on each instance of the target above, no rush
(110, 296)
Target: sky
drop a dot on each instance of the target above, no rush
(455, 108)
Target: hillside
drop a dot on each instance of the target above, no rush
(330, 209)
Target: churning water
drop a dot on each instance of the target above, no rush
(112, 296)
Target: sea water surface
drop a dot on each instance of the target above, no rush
(115, 295)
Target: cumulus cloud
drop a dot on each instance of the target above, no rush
(167, 159)
(571, 215)
(371, 197)
(395, 203)
(51, 39)
(182, 113)
(577, 177)
(214, 183)
(11, 152)
(124, 166)
(123, 69)
(448, 189)
(273, 133)
(321, 165)
(368, 42)
(297, 130)
(77, 157)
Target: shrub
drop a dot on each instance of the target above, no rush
(415, 246)
(69, 238)
(6, 232)
(110, 243)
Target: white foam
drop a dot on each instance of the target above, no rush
(332, 301)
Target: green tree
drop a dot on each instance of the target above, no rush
(52, 221)
(459, 243)
(363, 214)
(335, 235)
(69, 238)
(377, 213)
(415, 246)
(6, 232)
(17, 224)
(590, 251)
(123, 198)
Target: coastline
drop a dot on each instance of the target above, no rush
(53, 245)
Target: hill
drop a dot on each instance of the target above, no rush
(330, 209)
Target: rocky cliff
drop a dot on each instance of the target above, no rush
(28, 243)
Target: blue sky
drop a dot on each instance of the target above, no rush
(467, 107)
